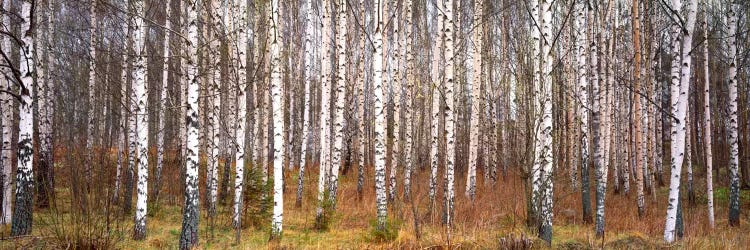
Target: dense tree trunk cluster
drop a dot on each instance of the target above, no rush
(137, 94)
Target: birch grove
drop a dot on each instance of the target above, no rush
(530, 109)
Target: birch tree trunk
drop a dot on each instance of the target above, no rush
(361, 111)
(679, 99)
(45, 178)
(409, 75)
(24, 196)
(637, 109)
(124, 106)
(437, 84)
(163, 100)
(325, 116)
(734, 186)
(239, 136)
(583, 109)
(7, 129)
(393, 59)
(92, 95)
(448, 89)
(214, 111)
(380, 131)
(307, 115)
(278, 124)
(544, 133)
(707, 122)
(189, 234)
(338, 120)
(475, 84)
(141, 114)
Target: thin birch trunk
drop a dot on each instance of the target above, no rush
(379, 113)
(707, 122)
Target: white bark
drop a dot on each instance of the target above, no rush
(393, 61)
(239, 136)
(734, 187)
(679, 89)
(379, 113)
(338, 120)
(436, 97)
(278, 123)
(707, 122)
(214, 110)
(475, 84)
(409, 75)
(450, 134)
(544, 132)
(24, 196)
(6, 100)
(92, 92)
(163, 96)
(123, 135)
(141, 114)
(325, 116)
(189, 234)
(307, 115)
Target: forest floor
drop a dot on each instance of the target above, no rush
(494, 220)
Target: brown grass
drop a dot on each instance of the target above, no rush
(498, 212)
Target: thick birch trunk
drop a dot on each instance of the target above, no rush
(278, 123)
(679, 90)
(338, 120)
(24, 196)
(141, 114)
(189, 234)
(545, 132)
(734, 186)
(325, 116)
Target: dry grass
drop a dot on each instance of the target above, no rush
(497, 213)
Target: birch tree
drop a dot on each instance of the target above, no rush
(544, 131)
(734, 180)
(163, 100)
(435, 99)
(379, 112)
(707, 121)
(583, 109)
(338, 120)
(278, 124)
(214, 111)
(239, 136)
(475, 84)
(123, 140)
(306, 114)
(6, 101)
(24, 196)
(92, 93)
(190, 217)
(448, 89)
(682, 37)
(325, 117)
(141, 114)
(45, 178)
